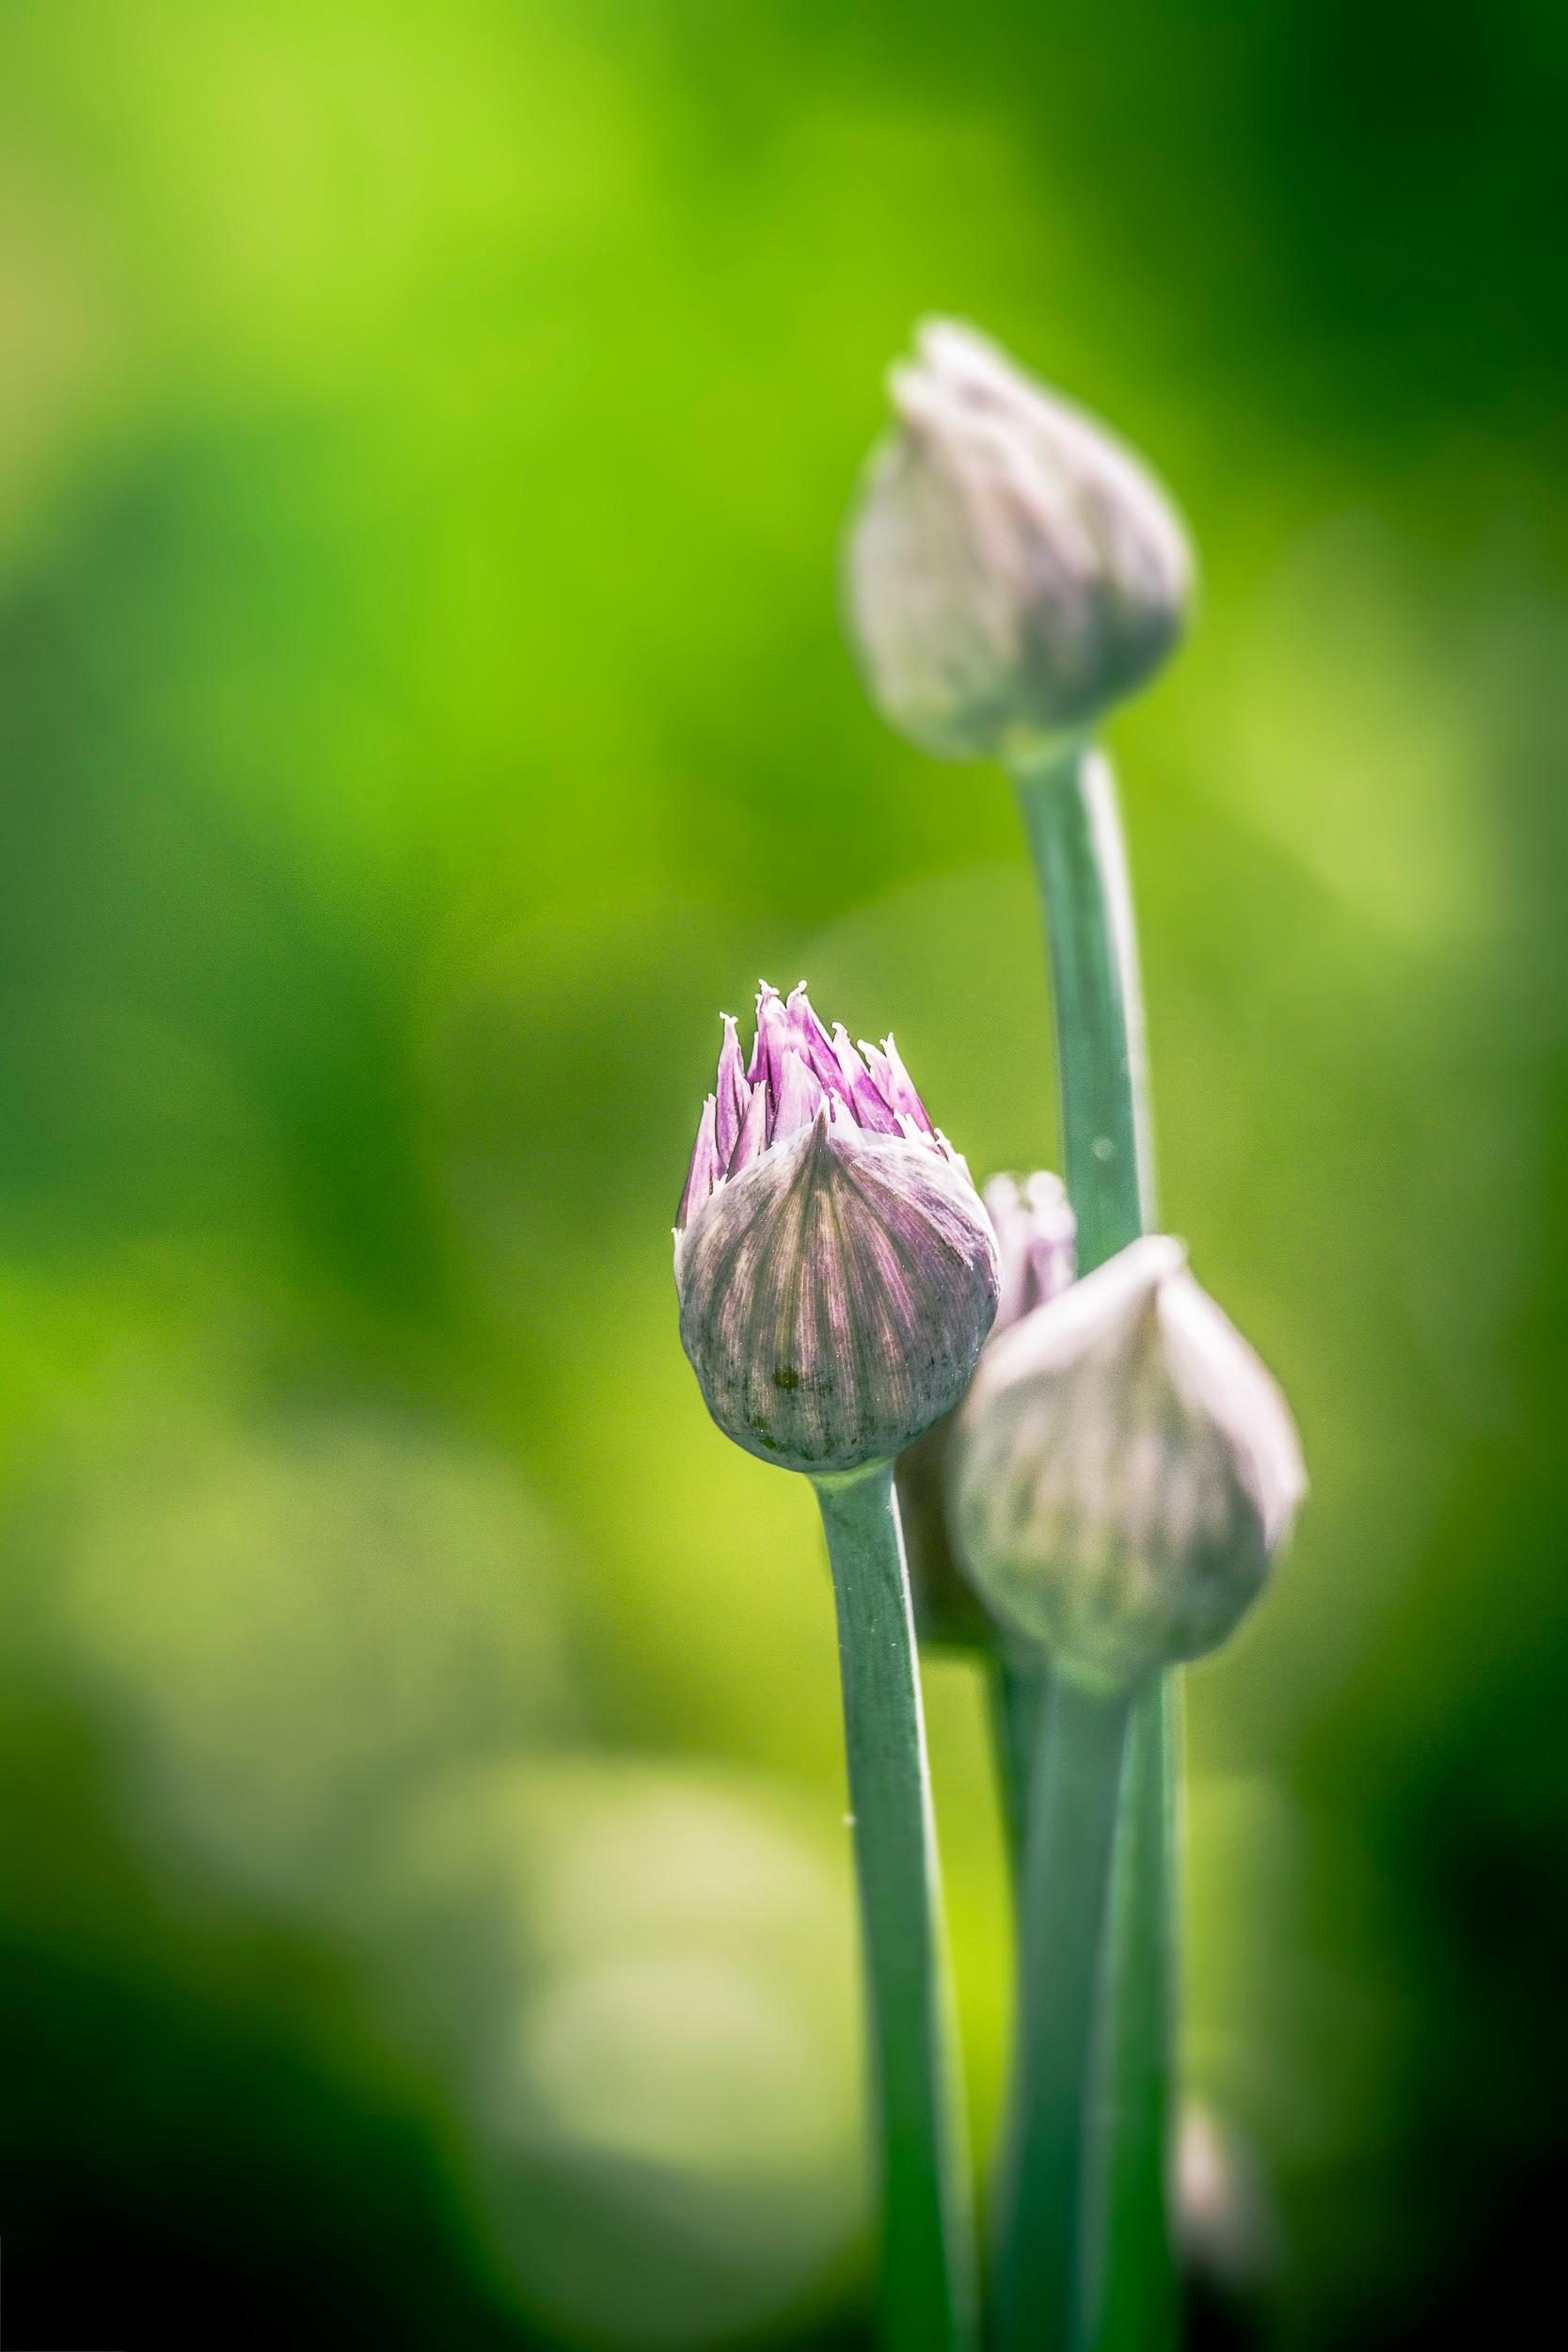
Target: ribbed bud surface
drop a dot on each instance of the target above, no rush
(1124, 1470)
(834, 1297)
(1013, 571)
(837, 1273)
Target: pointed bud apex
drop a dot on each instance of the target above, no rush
(1036, 1236)
(1013, 571)
(1124, 1470)
(838, 1274)
(731, 1093)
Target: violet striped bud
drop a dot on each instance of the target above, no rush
(837, 1270)
(1035, 1240)
(1013, 571)
(1124, 1470)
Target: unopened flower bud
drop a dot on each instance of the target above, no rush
(1124, 1471)
(1036, 1241)
(1036, 1234)
(1013, 571)
(837, 1270)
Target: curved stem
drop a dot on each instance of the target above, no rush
(1128, 2296)
(927, 2227)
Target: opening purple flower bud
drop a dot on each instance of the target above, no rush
(837, 1272)
(1124, 1470)
(1013, 571)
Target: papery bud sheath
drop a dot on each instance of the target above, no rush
(1124, 1472)
(1013, 571)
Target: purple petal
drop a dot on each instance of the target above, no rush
(752, 1138)
(855, 1086)
(851, 1068)
(733, 1092)
(756, 1067)
(800, 1097)
(904, 1097)
(705, 1171)
(879, 1071)
(774, 1040)
(812, 1042)
(871, 1112)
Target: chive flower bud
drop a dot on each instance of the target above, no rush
(1013, 570)
(1037, 1242)
(1036, 1238)
(1124, 1471)
(837, 1270)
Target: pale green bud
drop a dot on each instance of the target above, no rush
(1124, 1471)
(1013, 571)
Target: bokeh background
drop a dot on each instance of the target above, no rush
(425, 435)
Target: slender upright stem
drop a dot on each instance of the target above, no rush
(928, 2228)
(1018, 1694)
(1067, 801)
(1134, 2292)
(1065, 1897)
(1068, 805)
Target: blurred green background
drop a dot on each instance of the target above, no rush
(424, 434)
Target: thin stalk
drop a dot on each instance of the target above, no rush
(1067, 801)
(1017, 1694)
(1065, 1898)
(927, 2253)
(1135, 2294)
(1068, 805)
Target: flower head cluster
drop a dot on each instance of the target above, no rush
(837, 1270)
(797, 1073)
(1013, 571)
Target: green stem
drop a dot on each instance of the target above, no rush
(1135, 2295)
(1070, 813)
(927, 2227)
(1017, 1693)
(1063, 1901)
(1067, 801)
